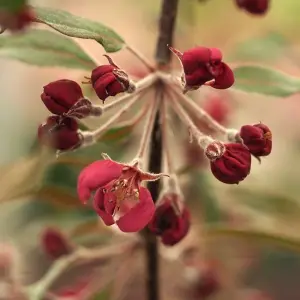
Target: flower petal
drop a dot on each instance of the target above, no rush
(100, 210)
(225, 80)
(140, 215)
(96, 175)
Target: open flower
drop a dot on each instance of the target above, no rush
(171, 221)
(256, 7)
(203, 65)
(110, 80)
(119, 197)
(257, 138)
(230, 163)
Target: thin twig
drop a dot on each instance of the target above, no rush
(148, 128)
(200, 113)
(141, 57)
(37, 290)
(202, 139)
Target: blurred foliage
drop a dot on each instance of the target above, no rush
(79, 27)
(45, 48)
(265, 81)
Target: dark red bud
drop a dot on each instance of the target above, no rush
(55, 244)
(256, 7)
(204, 65)
(258, 139)
(60, 96)
(207, 285)
(218, 108)
(60, 133)
(16, 21)
(110, 80)
(230, 163)
(168, 222)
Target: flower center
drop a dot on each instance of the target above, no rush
(125, 188)
(268, 136)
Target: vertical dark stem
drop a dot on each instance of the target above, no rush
(163, 57)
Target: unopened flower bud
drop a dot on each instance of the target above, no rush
(203, 65)
(55, 244)
(60, 133)
(230, 163)
(256, 7)
(257, 138)
(171, 220)
(16, 21)
(61, 95)
(110, 80)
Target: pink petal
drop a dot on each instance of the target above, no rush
(140, 215)
(100, 210)
(215, 54)
(225, 80)
(96, 175)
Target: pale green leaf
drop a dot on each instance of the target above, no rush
(45, 48)
(265, 81)
(266, 48)
(79, 27)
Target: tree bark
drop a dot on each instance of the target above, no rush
(163, 57)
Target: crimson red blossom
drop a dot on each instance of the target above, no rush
(55, 244)
(60, 133)
(230, 163)
(256, 7)
(257, 138)
(16, 21)
(119, 199)
(202, 65)
(59, 96)
(110, 80)
(169, 221)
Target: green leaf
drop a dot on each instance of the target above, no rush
(79, 27)
(263, 201)
(12, 5)
(266, 48)
(45, 48)
(265, 81)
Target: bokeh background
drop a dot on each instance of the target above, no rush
(266, 202)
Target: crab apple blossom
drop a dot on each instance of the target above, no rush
(230, 163)
(256, 7)
(202, 65)
(18, 20)
(171, 220)
(60, 133)
(119, 199)
(110, 80)
(54, 243)
(257, 138)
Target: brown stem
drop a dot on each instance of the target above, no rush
(163, 57)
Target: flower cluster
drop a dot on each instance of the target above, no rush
(116, 188)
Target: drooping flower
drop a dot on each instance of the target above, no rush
(202, 65)
(55, 244)
(110, 80)
(171, 220)
(230, 163)
(256, 7)
(119, 199)
(60, 133)
(257, 138)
